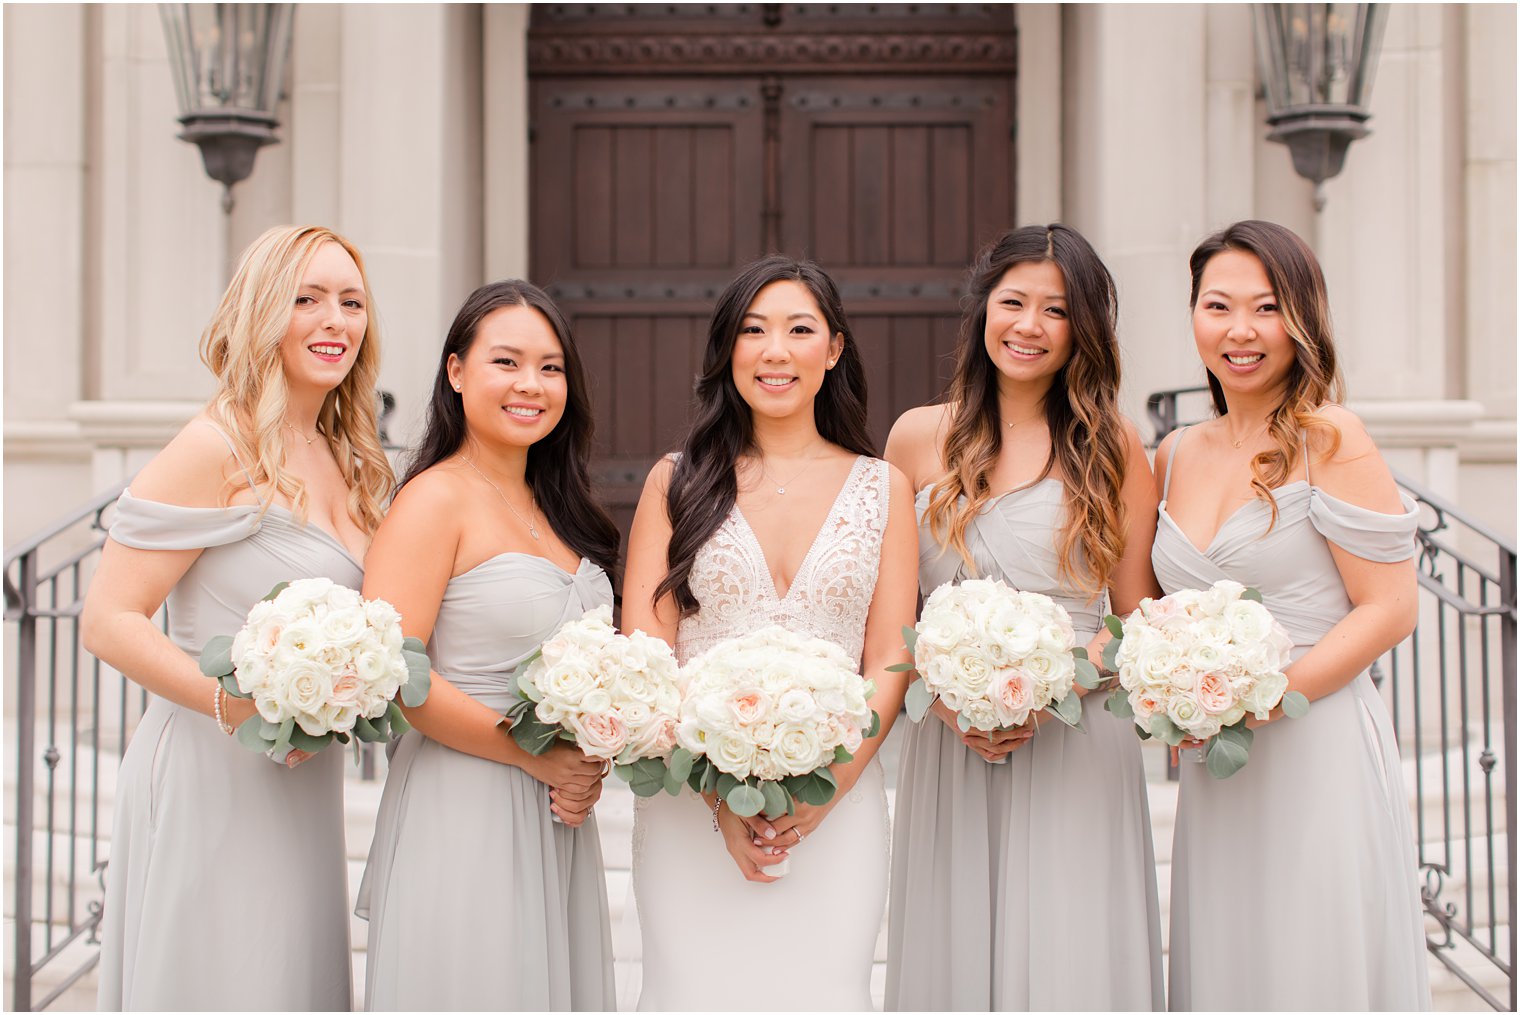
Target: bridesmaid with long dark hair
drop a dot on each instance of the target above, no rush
(1293, 881)
(1023, 874)
(477, 898)
(775, 512)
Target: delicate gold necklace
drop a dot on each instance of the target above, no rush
(1236, 444)
(781, 487)
(1010, 423)
(532, 529)
(309, 440)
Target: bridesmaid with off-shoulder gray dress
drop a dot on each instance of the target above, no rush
(1294, 881)
(1023, 875)
(485, 888)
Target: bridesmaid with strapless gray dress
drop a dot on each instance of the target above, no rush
(468, 871)
(207, 832)
(1294, 881)
(1050, 849)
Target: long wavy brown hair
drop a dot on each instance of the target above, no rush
(241, 346)
(1087, 439)
(1314, 379)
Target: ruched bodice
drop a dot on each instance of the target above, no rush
(244, 555)
(1290, 562)
(1011, 539)
(499, 612)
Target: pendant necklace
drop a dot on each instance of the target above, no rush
(532, 529)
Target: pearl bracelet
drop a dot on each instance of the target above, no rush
(218, 712)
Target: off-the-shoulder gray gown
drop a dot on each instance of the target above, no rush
(1029, 884)
(1294, 882)
(477, 899)
(227, 886)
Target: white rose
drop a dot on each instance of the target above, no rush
(973, 674)
(307, 687)
(732, 752)
(979, 713)
(598, 734)
(1264, 694)
(796, 749)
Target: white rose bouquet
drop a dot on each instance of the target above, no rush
(321, 663)
(1195, 664)
(996, 656)
(765, 715)
(614, 696)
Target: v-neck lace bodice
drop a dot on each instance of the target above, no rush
(831, 593)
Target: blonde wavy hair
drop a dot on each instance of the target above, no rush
(1315, 378)
(1087, 436)
(241, 346)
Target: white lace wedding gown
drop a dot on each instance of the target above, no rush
(711, 939)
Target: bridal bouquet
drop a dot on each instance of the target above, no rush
(765, 715)
(614, 696)
(1195, 664)
(321, 663)
(996, 656)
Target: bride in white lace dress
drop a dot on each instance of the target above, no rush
(774, 513)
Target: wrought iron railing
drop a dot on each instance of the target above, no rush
(1451, 690)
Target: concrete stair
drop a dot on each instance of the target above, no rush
(615, 821)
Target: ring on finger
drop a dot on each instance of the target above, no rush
(799, 836)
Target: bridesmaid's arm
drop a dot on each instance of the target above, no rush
(892, 606)
(648, 549)
(1133, 578)
(409, 565)
(131, 584)
(1384, 599)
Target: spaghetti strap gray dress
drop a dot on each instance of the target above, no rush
(227, 887)
(476, 898)
(1294, 882)
(1028, 884)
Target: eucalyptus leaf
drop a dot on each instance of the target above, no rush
(411, 643)
(680, 763)
(270, 731)
(1069, 709)
(399, 725)
(526, 687)
(1226, 757)
(1115, 626)
(367, 731)
(419, 679)
(917, 700)
(901, 668)
(775, 799)
(875, 726)
(1295, 705)
(910, 640)
(709, 778)
(282, 742)
(963, 722)
(276, 591)
(216, 657)
(697, 780)
(1253, 594)
(1142, 733)
(1118, 704)
(1087, 674)
(250, 734)
(672, 786)
(1239, 733)
(745, 801)
(340, 736)
(230, 685)
(1111, 655)
(1165, 730)
(842, 755)
(725, 784)
(303, 741)
(816, 788)
(533, 736)
(646, 777)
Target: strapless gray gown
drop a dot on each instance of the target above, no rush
(228, 884)
(477, 899)
(1030, 884)
(1294, 882)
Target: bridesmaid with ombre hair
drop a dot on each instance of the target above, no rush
(1285, 491)
(477, 897)
(1023, 876)
(228, 883)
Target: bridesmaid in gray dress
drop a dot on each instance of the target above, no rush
(477, 897)
(227, 885)
(1294, 882)
(1023, 876)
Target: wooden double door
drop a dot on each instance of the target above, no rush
(672, 145)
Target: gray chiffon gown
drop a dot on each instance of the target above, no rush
(1028, 884)
(228, 884)
(476, 898)
(1294, 882)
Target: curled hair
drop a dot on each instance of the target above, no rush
(704, 484)
(558, 470)
(241, 346)
(1087, 436)
(1314, 378)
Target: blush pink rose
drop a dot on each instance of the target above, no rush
(749, 706)
(1214, 694)
(1012, 698)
